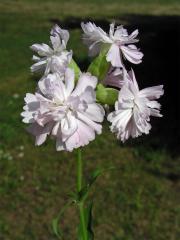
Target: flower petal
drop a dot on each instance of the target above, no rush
(85, 80)
(40, 132)
(95, 126)
(61, 33)
(152, 92)
(95, 112)
(68, 125)
(132, 54)
(114, 56)
(69, 80)
(39, 66)
(81, 137)
(42, 49)
(93, 37)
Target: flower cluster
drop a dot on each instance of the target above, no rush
(65, 105)
(133, 107)
(60, 108)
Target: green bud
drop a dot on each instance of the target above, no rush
(99, 67)
(106, 95)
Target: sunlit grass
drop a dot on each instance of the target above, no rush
(61, 8)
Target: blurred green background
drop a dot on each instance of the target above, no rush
(141, 200)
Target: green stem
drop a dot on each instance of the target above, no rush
(82, 219)
(79, 187)
(79, 170)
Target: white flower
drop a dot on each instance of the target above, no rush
(68, 113)
(121, 44)
(134, 108)
(55, 58)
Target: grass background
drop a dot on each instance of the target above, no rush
(138, 201)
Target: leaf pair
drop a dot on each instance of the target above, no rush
(79, 198)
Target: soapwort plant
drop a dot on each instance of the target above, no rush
(69, 105)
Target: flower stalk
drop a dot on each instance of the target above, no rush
(79, 169)
(79, 188)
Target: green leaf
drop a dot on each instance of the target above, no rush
(98, 172)
(106, 95)
(99, 67)
(55, 221)
(55, 228)
(83, 194)
(73, 65)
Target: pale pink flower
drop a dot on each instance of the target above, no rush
(67, 112)
(134, 108)
(55, 58)
(121, 44)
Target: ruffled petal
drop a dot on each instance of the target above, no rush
(81, 137)
(43, 49)
(152, 92)
(132, 54)
(59, 63)
(39, 66)
(69, 81)
(60, 36)
(134, 34)
(85, 80)
(120, 33)
(125, 94)
(93, 37)
(53, 88)
(68, 125)
(95, 126)
(40, 132)
(95, 112)
(113, 56)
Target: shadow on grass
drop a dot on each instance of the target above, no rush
(160, 43)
